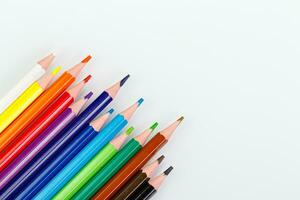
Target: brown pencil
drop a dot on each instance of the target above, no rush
(141, 177)
(136, 163)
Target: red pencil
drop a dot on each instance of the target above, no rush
(33, 131)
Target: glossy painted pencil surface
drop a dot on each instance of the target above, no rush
(85, 155)
(63, 158)
(41, 141)
(35, 73)
(90, 169)
(40, 124)
(25, 99)
(137, 180)
(59, 144)
(40, 104)
(149, 188)
(136, 163)
(113, 166)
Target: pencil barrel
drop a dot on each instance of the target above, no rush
(110, 169)
(86, 173)
(131, 186)
(131, 168)
(19, 105)
(34, 74)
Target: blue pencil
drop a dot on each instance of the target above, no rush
(85, 155)
(54, 167)
(16, 185)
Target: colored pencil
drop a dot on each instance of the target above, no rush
(63, 158)
(40, 124)
(69, 136)
(114, 165)
(90, 169)
(140, 178)
(35, 73)
(149, 188)
(25, 99)
(42, 140)
(136, 163)
(40, 104)
(87, 153)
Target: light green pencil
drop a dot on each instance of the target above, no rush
(86, 173)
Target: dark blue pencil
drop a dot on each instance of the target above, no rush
(88, 134)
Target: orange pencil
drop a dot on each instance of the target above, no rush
(37, 107)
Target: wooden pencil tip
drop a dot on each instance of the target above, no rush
(123, 81)
(45, 62)
(160, 159)
(87, 59)
(87, 78)
(168, 171)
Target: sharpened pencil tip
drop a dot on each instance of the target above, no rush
(56, 70)
(140, 101)
(111, 111)
(89, 95)
(153, 127)
(87, 79)
(129, 131)
(160, 159)
(123, 81)
(180, 119)
(87, 59)
(168, 171)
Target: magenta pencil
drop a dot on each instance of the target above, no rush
(42, 140)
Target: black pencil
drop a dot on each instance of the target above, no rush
(149, 188)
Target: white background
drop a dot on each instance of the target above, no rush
(231, 68)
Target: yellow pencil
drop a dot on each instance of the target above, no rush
(25, 99)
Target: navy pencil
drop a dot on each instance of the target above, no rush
(87, 135)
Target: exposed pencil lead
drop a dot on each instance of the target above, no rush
(89, 95)
(123, 81)
(140, 101)
(181, 119)
(111, 111)
(87, 59)
(129, 131)
(153, 127)
(56, 70)
(168, 171)
(87, 78)
(160, 159)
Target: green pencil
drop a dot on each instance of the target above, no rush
(114, 165)
(86, 173)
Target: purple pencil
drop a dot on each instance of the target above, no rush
(42, 140)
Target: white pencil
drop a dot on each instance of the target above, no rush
(34, 74)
